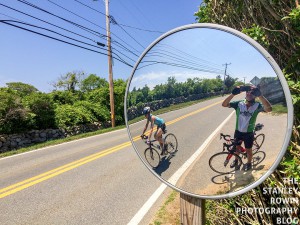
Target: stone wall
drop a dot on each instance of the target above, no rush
(16, 141)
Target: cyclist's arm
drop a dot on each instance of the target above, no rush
(227, 101)
(266, 104)
(151, 127)
(145, 128)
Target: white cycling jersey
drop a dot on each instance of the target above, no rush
(246, 117)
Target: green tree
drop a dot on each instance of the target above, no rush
(70, 81)
(229, 82)
(64, 97)
(92, 82)
(119, 94)
(14, 117)
(72, 115)
(22, 88)
(42, 106)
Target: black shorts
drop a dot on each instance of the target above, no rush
(247, 138)
(163, 127)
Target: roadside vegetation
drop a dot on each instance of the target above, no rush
(79, 99)
(276, 27)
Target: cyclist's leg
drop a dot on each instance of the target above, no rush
(158, 136)
(238, 136)
(248, 141)
(249, 138)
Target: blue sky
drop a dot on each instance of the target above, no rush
(37, 60)
(206, 50)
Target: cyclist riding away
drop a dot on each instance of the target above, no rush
(161, 127)
(246, 112)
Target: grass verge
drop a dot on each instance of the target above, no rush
(278, 109)
(169, 212)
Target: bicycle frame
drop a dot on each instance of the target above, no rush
(236, 145)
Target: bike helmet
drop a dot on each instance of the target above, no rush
(146, 110)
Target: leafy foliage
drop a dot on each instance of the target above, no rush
(85, 101)
(173, 89)
(14, 118)
(21, 88)
(276, 26)
(42, 107)
(93, 82)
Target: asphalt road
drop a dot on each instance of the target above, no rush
(99, 180)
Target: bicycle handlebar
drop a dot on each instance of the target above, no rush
(144, 137)
(226, 137)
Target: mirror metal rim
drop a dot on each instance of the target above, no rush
(276, 69)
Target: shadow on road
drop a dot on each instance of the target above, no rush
(164, 164)
(239, 179)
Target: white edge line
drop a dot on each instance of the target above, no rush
(175, 177)
(69, 142)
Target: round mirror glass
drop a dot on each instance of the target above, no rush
(182, 87)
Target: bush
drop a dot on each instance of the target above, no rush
(70, 115)
(100, 113)
(14, 118)
(42, 106)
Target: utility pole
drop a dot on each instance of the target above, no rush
(192, 210)
(110, 71)
(226, 64)
(244, 81)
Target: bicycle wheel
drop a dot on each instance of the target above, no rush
(171, 143)
(258, 141)
(219, 164)
(152, 156)
(258, 157)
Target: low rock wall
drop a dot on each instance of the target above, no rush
(16, 141)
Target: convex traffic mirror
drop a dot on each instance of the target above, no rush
(182, 87)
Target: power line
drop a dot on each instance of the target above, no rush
(80, 16)
(112, 20)
(75, 14)
(141, 13)
(115, 23)
(133, 15)
(181, 58)
(89, 7)
(75, 24)
(55, 33)
(9, 16)
(3, 21)
(119, 45)
(78, 25)
(189, 55)
(153, 31)
(178, 65)
(115, 42)
(48, 23)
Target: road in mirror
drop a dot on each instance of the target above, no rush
(183, 80)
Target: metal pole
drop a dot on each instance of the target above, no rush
(226, 64)
(192, 210)
(110, 71)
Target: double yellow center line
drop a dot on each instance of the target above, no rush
(62, 169)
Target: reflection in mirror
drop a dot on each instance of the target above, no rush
(178, 89)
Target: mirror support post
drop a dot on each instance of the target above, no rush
(192, 210)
